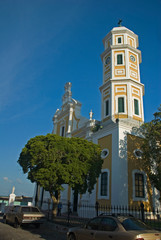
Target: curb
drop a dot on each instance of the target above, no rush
(61, 228)
(58, 227)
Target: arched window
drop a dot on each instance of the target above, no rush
(103, 187)
(140, 192)
(139, 185)
(104, 177)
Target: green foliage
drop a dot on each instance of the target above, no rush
(52, 161)
(97, 127)
(152, 149)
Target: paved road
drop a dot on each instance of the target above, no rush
(47, 231)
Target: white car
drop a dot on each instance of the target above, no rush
(113, 227)
(20, 215)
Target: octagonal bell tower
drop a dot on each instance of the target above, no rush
(122, 92)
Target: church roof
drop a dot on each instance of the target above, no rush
(121, 29)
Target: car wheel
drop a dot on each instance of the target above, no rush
(37, 225)
(5, 220)
(71, 237)
(16, 223)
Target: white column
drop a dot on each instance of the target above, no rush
(68, 134)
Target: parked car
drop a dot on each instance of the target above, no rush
(113, 227)
(20, 215)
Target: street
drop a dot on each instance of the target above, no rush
(47, 231)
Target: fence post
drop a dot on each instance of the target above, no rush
(49, 202)
(142, 212)
(69, 211)
(96, 207)
(158, 217)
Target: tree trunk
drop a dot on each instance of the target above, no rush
(55, 204)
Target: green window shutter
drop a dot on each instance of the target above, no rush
(120, 104)
(136, 106)
(119, 59)
(107, 107)
(119, 40)
(62, 131)
(104, 179)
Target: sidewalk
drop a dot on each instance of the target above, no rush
(58, 227)
(53, 225)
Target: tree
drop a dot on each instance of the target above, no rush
(152, 149)
(52, 161)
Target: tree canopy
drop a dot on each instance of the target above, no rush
(52, 161)
(152, 149)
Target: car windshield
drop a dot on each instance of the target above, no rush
(29, 209)
(33, 209)
(134, 224)
(25, 209)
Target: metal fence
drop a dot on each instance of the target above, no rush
(65, 214)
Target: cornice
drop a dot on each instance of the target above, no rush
(107, 129)
(119, 47)
(127, 80)
(129, 122)
(105, 85)
(118, 31)
(121, 81)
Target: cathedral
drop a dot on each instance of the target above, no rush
(122, 180)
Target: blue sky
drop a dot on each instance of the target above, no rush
(46, 43)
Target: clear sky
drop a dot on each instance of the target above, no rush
(46, 43)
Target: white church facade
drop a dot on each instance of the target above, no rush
(122, 180)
